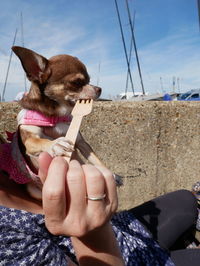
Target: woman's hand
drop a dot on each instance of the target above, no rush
(74, 205)
(67, 209)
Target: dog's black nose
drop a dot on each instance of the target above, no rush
(98, 90)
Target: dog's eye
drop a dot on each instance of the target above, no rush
(78, 83)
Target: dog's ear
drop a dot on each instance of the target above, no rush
(35, 65)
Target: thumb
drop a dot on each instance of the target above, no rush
(44, 162)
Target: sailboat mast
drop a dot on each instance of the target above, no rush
(4, 88)
(161, 84)
(22, 40)
(124, 44)
(198, 6)
(129, 59)
(135, 47)
(98, 77)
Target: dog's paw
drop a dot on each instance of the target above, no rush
(118, 180)
(61, 147)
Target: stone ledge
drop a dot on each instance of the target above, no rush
(153, 145)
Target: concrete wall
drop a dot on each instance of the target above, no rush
(155, 146)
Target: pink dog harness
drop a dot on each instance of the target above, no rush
(11, 158)
(30, 117)
(13, 162)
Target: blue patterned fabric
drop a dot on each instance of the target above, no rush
(24, 240)
(137, 246)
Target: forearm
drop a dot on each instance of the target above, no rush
(98, 248)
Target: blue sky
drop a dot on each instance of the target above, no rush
(167, 37)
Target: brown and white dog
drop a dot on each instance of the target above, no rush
(56, 84)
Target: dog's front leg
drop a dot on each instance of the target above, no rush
(89, 154)
(36, 142)
(87, 151)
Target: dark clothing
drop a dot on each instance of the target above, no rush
(167, 218)
(145, 235)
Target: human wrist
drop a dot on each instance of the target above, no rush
(101, 234)
(98, 247)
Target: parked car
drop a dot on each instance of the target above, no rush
(193, 95)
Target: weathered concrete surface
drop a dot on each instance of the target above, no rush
(155, 146)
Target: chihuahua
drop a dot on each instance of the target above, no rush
(56, 84)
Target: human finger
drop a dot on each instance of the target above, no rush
(54, 194)
(44, 162)
(76, 188)
(110, 188)
(95, 186)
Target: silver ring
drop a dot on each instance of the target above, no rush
(96, 198)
